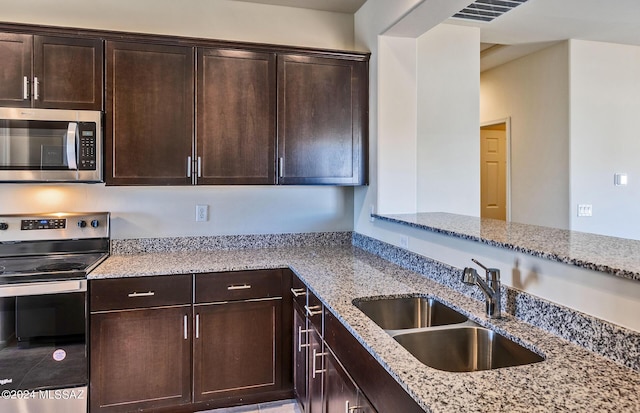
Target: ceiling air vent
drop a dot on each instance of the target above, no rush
(487, 10)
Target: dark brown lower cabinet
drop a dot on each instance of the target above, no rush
(184, 343)
(341, 395)
(237, 349)
(315, 372)
(140, 359)
(300, 356)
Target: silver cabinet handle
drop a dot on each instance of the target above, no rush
(281, 167)
(314, 310)
(137, 294)
(36, 83)
(199, 166)
(300, 345)
(297, 292)
(25, 88)
(197, 325)
(186, 328)
(239, 287)
(72, 138)
(348, 409)
(188, 167)
(314, 369)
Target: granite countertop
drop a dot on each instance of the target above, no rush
(570, 379)
(612, 255)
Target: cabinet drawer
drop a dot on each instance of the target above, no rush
(315, 312)
(140, 292)
(238, 285)
(298, 291)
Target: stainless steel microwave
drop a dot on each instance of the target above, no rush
(50, 145)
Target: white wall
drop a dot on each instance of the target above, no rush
(605, 123)
(161, 211)
(448, 111)
(534, 92)
(397, 125)
(217, 19)
(598, 294)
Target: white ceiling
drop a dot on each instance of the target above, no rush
(529, 27)
(538, 23)
(341, 6)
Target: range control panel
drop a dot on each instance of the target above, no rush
(55, 223)
(36, 227)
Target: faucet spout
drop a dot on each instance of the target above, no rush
(490, 287)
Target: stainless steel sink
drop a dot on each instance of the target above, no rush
(465, 349)
(409, 312)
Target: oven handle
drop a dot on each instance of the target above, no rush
(72, 137)
(42, 288)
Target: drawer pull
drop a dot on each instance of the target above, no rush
(297, 292)
(300, 345)
(351, 409)
(137, 294)
(197, 325)
(186, 328)
(239, 287)
(315, 356)
(315, 310)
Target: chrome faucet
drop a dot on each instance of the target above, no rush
(490, 287)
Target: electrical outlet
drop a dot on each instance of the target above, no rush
(202, 213)
(404, 242)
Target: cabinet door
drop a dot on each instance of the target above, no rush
(140, 359)
(236, 102)
(322, 120)
(300, 356)
(237, 349)
(340, 393)
(15, 69)
(149, 114)
(67, 73)
(315, 371)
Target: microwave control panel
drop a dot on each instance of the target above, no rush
(87, 150)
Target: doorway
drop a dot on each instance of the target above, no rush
(494, 170)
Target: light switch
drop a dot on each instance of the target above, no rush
(585, 210)
(620, 179)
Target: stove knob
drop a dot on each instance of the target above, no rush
(4, 226)
(82, 223)
(95, 223)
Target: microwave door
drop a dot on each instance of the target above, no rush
(71, 139)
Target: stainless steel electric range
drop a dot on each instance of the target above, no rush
(44, 262)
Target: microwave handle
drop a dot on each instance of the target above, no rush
(72, 137)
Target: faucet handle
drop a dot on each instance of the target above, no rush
(469, 275)
(492, 274)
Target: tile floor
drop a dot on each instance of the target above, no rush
(281, 406)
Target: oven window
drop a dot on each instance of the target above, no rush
(43, 341)
(33, 145)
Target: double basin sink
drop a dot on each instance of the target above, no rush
(442, 338)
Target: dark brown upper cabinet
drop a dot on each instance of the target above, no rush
(322, 120)
(236, 122)
(149, 114)
(51, 72)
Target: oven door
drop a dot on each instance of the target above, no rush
(43, 352)
(44, 145)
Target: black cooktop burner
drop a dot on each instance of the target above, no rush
(51, 267)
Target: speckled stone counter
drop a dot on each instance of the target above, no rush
(616, 256)
(570, 379)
